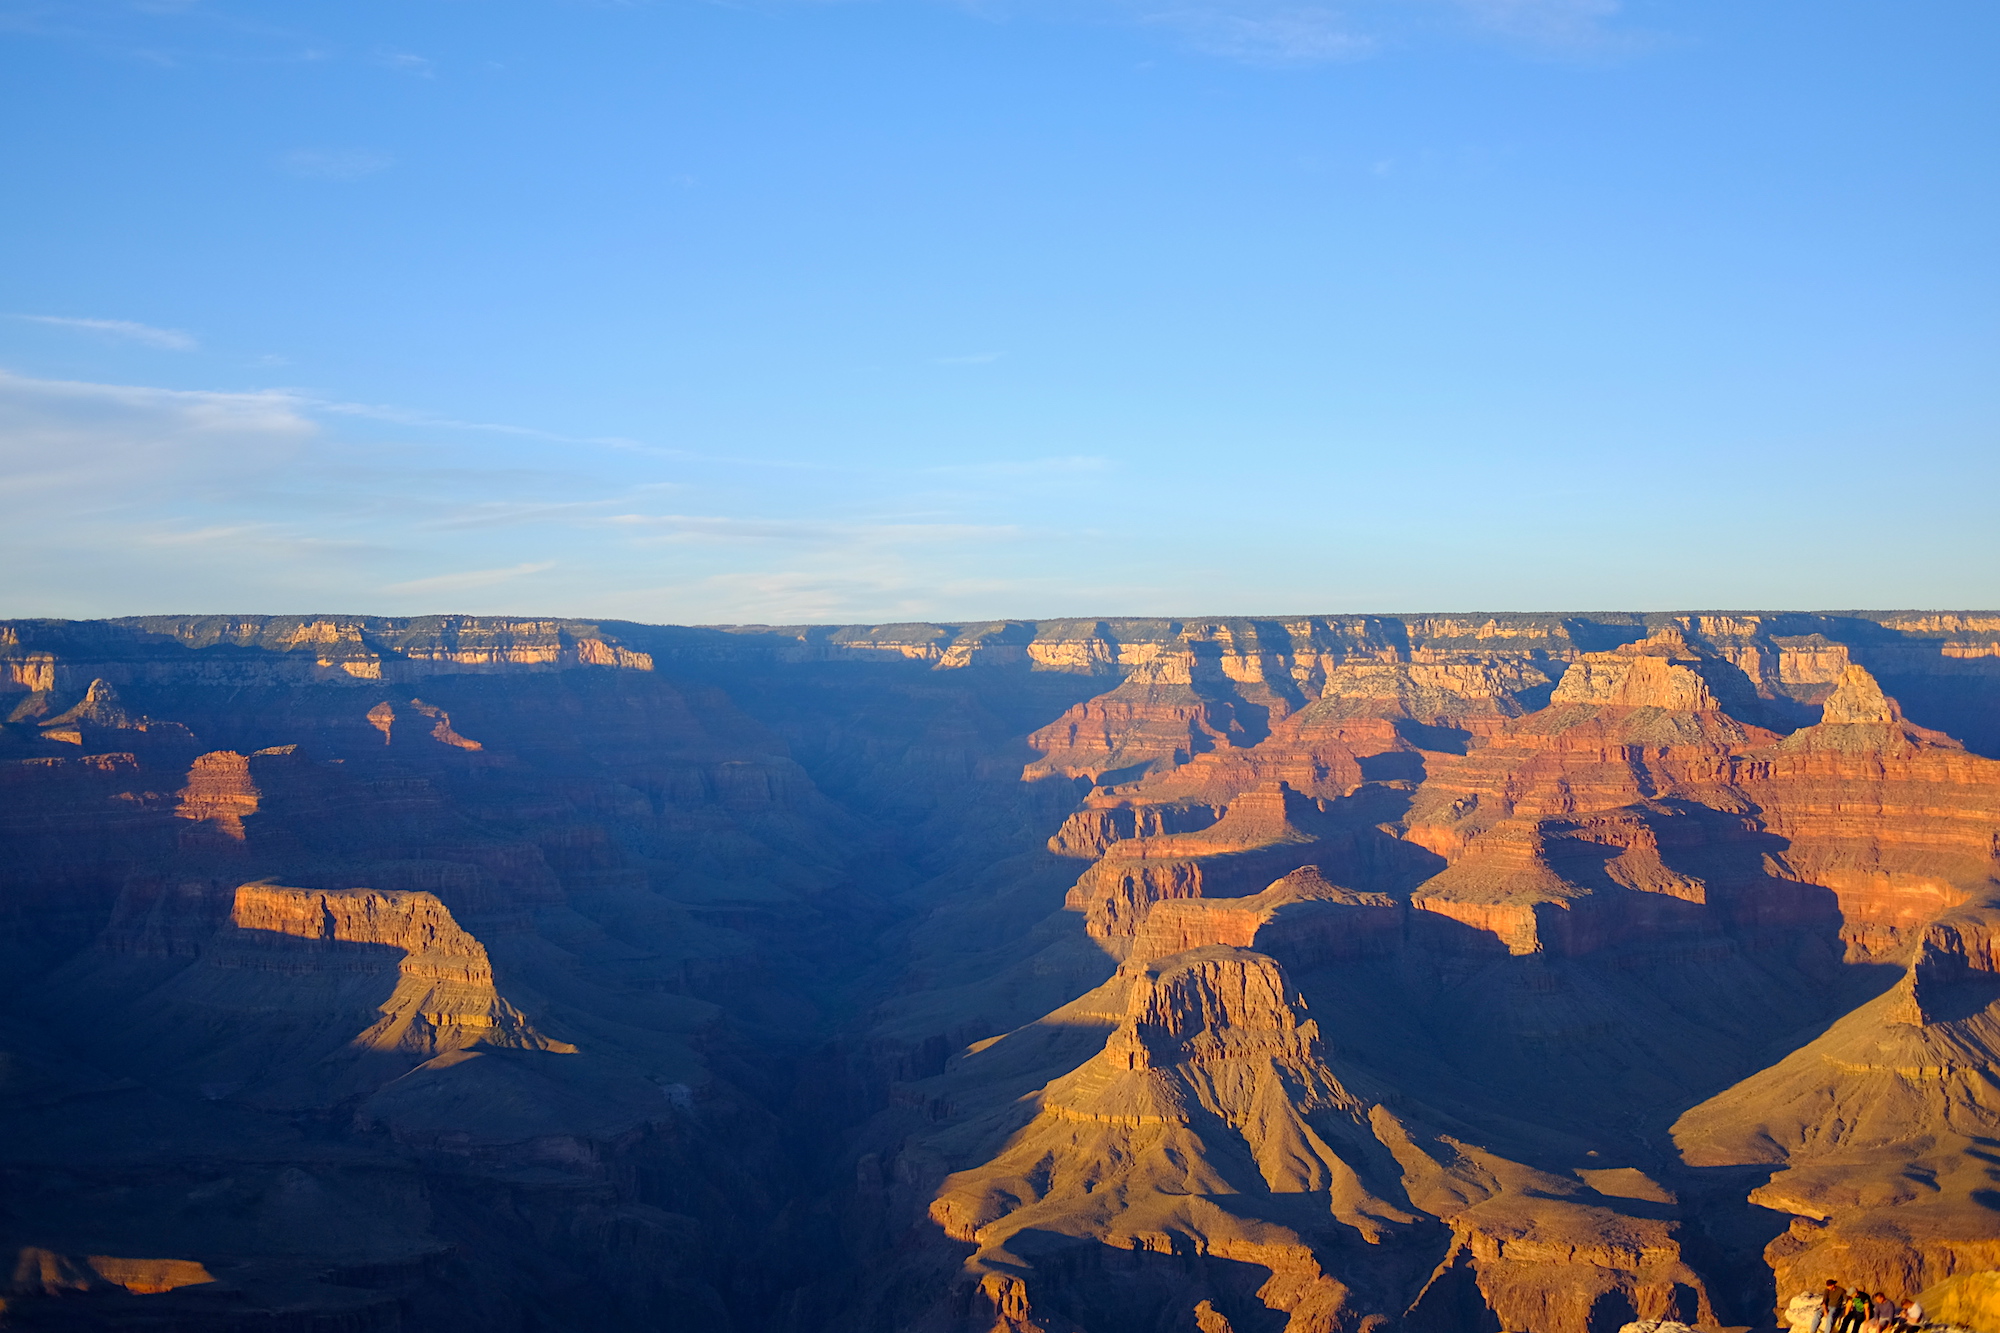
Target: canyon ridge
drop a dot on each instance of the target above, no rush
(1325, 974)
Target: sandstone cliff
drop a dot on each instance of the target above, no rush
(1435, 972)
(1882, 1126)
(1652, 818)
(1210, 1097)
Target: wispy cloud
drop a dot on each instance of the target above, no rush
(231, 534)
(711, 529)
(126, 498)
(472, 578)
(264, 542)
(1023, 467)
(516, 513)
(796, 596)
(405, 62)
(335, 164)
(1264, 34)
(1304, 33)
(404, 416)
(208, 409)
(871, 590)
(1548, 20)
(102, 444)
(1587, 28)
(172, 340)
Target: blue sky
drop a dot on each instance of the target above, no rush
(898, 309)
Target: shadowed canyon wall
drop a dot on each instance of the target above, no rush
(1320, 974)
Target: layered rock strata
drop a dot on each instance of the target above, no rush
(1434, 972)
(1653, 815)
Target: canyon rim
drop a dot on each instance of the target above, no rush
(1319, 973)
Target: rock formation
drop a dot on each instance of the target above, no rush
(1434, 973)
(1190, 1135)
(1883, 1126)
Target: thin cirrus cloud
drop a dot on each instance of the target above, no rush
(1280, 32)
(405, 62)
(334, 164)
(126, 498)
(102, 445)
(1258, 35)
(469, 579)
(806, 596)
(710, 529)
(403, 416)
(1258, 32)
(1554, 21)
(125, 330)
(1068, 464)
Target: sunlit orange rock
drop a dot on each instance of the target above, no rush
(1436, 972)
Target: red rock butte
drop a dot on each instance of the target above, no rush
(1326, 974)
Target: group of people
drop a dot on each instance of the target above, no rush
(1838, 1310)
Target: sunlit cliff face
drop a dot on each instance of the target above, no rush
(1318, 973)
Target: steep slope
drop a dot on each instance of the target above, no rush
(1206, 1127)
(1262, 835)
(432, 1003)
(1211, 1143)
(1897, 820)
(1883, 1127)
(1602, 912)
(1312, 972)
(309, 997)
